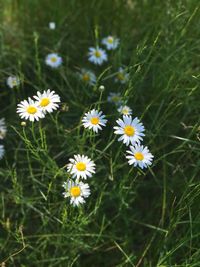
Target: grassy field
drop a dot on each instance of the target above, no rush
(133, 217)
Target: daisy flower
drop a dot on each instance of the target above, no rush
(87, 76)
(81, 167)
(94, 119)
(110, 42)
(77, 191)
(53, 60)
(122, 76)
(3, 128)
(52, 25)
(2, 151)
(29, 110)
(97, 55)
(139, 156)
(115, 98)
(47, 101)
(13, 81)
(125, 110)
(131, 130)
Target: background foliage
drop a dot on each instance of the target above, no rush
(132, 218)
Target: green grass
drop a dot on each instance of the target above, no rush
(147, 218)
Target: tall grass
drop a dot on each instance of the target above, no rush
(132, 218)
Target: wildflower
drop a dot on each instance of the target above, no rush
(81, 166)
(87, 76)
(97, 55)
(47, 101)
(115, 98)
(52, 25)
(94, 119)
(125, 110)
(29, 110)
(77, 191)
(122, 76)
(2, 151)
(110, 42)
(53, 60)
(13, 81)
(139, 156)
(3, 128)
(131, 130)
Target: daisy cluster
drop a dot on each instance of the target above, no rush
(80, 168)
(36, 109)
(3, 131)
(131, 131)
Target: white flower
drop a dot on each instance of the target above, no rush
(29, 110)
(53, 60)
(125, 110)
(139, 156)
(87, 76)
(110, 42)
(52, 25)
(131, 130)
(47, 101)
(122, 76)
(3, 128)
(97, 55)
(115, 98)
(77, 191)
(81, 166)
(2, 151)
(94, 119)
(13, 81)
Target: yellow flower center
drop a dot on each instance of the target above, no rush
(120, 76)
(14, 82)
(75, 191)
(97, 54)
(81, 166)
(129, 130)
(125, 111)
(86, 77)
(53, 59)
(115, 98)
(31, 110)
(139, 156)
(94, 120)
(44, 102)
(110, 40)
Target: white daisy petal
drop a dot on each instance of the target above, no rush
(81, 167)
(94, 120)
(115, 98)
(122, 76)
(131, 131)
(29, 110)
(47, 101)
(13, 81)
(97, 55)
(77, 191)
(110, 42)
(87, 77)
(53, 60)
(139, 156)
(124, 110)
